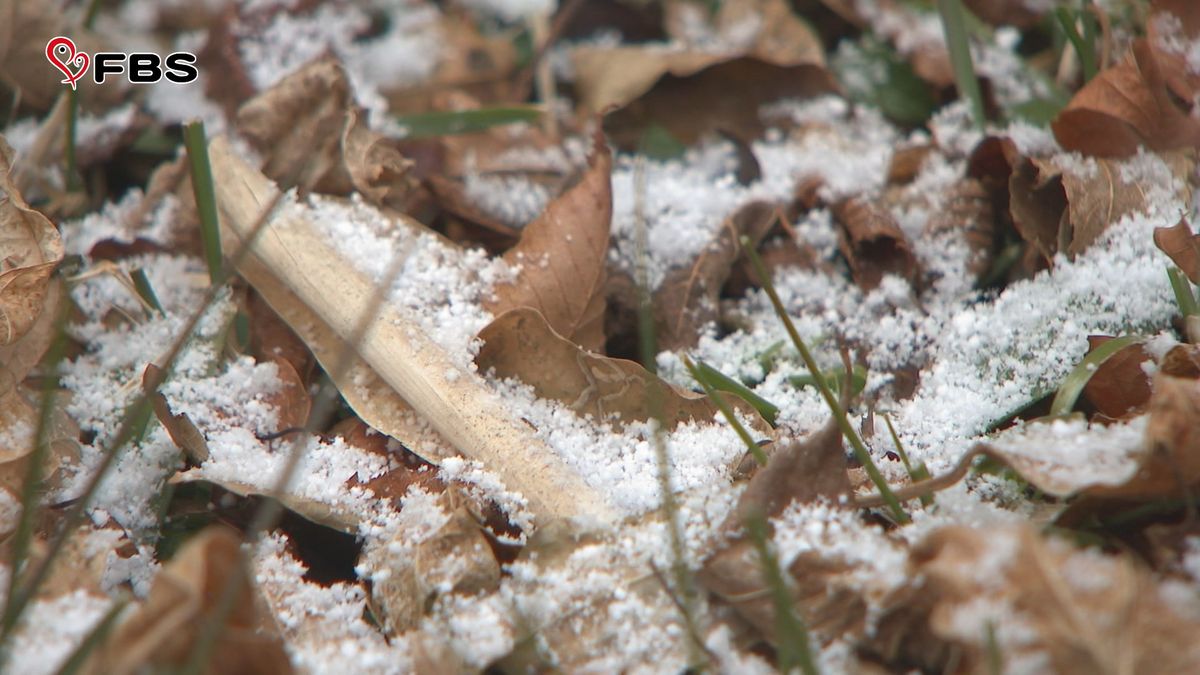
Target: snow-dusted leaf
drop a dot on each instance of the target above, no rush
(687, 299)
(968, 209)
(798, 471)
(160, 634)
(179, 426)
(456, 558)
(1046, 604)
(311, 135)
(563, 257)
(1182, 246)
(873, 243)
(521, 344)
(1125, 106)
(30, 248)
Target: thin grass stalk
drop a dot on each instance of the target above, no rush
(19, 600)
(72, 177)
(93, 639)
(918, 473)
(726, 410)
(954, 25)
(792, 643)
(648, 349)
(835, 408)
(32, 486)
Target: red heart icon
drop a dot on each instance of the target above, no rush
(67, 47)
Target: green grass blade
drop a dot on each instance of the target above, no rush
(424, 125)
(1184, 296)
(722, 382)
(918, 473)
(1077, 379)
(822, 382)
(72, 135)
(793, 646)
(954, 25)
(1087, 55)
(726, 410)
(142, 284)
(206, 200)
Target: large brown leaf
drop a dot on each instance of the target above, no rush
(873, 243)
(521, 344)
(1128, 105)
(30, 248)
(563, 255)
(1181, 246)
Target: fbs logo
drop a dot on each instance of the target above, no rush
(138, 67)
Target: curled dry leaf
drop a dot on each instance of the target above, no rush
(873, 243)
(30, 248)
(162, 632)
(1126, 106)
(1058, 206)
(456, 558)
(18, 427)
(521, 344)
(1181, 246)
(1120, 387)
(311, 135)
(562, 255)
(799, 471)
(179, 426)
(968, 209)
(691, 93)
(687, 299)
(1046, 602)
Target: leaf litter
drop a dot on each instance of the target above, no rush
(497, 460)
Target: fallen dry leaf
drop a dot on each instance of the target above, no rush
(30, 249)
(687, 299)
(1057, 205)
(522, 345)
(311, 135)
(798, 471)
(456, 558)
(562, 255)
(873, 243)
(1045, 602)
(1181, 246)
(693, 92)
(179, 426)
(162, 632)
(968, 209)
(1126, 106)
(1120, 387)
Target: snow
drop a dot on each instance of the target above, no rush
(52, 629)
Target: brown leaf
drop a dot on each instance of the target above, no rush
(521, 344)
(19, 423)
(179, 426)
(1119, 387)
(873, 243)
(161, 633)
(1058, 207)
(19, 358)
(691, 93)
(454, 559)
(1125, 106)
(563, 256)
(968, 208)
(1181, 246)
(1069, 610)
(687, 299)
(311, 135)
(799, 471)
(30, 248)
